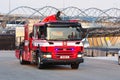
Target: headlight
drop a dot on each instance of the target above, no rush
(80, 54)
(47, 55)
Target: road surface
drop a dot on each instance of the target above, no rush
(91, 69)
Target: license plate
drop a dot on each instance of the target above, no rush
(64, 57)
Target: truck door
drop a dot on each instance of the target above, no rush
(26, 43)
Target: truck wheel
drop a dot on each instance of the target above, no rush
(119, 60)
(75, 66)
(39, 65)
(21, 60)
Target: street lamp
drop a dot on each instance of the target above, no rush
(9, 5)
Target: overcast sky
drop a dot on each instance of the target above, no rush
(5, 5)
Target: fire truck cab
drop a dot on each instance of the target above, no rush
(52, 43)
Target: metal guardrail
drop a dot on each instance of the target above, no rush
(104, 49)
(94, 51)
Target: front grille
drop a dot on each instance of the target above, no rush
(64, 53)
(67, 49)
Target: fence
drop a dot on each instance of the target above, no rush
(7, 41)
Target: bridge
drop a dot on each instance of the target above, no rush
(102, 27)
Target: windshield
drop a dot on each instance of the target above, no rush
(63, 33)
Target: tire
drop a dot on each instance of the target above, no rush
(39, 65)
(118, 60)
(75, 66)
(21, 60)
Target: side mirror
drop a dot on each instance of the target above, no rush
(78, 29)
(85, 42)
(31, 35)
(16, 47)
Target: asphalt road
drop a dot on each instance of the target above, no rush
(91, 69)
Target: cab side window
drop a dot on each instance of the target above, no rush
(39, 32)
(42, 32)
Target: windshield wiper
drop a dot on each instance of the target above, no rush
(57, 39)
(72, 39)
(64, 39)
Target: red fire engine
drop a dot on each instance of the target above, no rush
(52, 43)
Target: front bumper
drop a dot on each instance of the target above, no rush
(62, 62)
